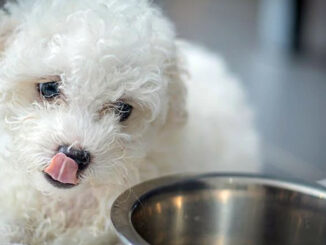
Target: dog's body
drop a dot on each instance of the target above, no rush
(103, 53)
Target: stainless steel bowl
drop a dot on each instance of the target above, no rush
(221, 210)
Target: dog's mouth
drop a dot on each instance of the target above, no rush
(62, 171)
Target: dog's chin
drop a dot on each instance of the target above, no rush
(58, 184)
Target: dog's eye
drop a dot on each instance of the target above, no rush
(49, 90)
(123, 110)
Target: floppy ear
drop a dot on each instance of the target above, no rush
(7, 26)
(177, 92)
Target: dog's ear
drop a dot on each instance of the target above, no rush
(177, 92)
(7, 26)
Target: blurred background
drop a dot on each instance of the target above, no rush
(277, 48)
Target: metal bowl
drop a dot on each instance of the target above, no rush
(221, 210)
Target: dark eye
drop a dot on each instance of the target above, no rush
(123, 110)
(49, 90)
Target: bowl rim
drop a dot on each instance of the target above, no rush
(124, 205)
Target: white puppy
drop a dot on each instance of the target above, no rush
(93, 100)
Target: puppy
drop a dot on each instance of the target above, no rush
(97, 96)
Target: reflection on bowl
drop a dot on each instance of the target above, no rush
(222, 210)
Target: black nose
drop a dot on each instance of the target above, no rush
(81, 157)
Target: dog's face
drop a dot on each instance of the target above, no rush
(87, 88)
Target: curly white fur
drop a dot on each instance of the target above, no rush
(105, 50)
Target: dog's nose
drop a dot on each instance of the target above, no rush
(81, 157)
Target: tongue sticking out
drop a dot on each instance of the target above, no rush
(63, 169)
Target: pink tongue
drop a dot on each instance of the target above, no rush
(63, 169)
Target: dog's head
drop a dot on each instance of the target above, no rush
(86, 88)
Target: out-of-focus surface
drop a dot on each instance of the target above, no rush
(286, 89)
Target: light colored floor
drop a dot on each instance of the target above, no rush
(287, 92)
